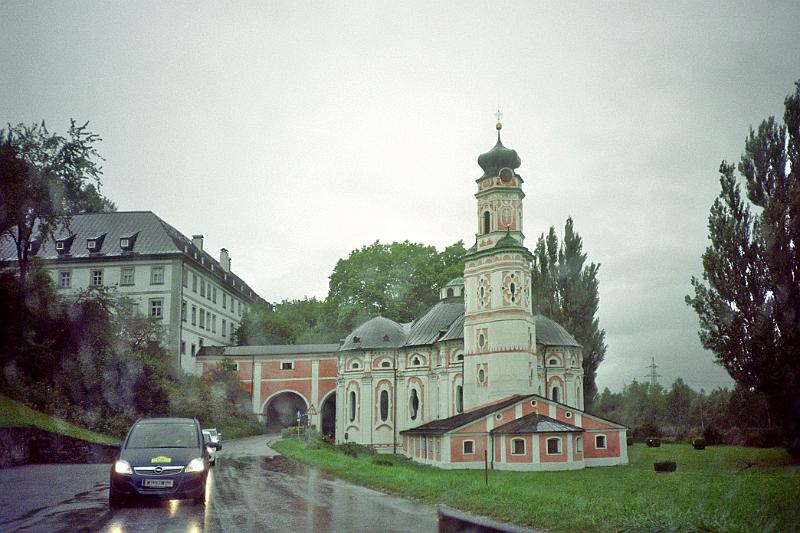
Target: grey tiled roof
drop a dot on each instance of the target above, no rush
(378, 332)
(436, 322)
(438, 427)
(551, 333)
(535, 423)
(456, 330)
(153, 237)
(269, 349)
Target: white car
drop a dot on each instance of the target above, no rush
(211, 436)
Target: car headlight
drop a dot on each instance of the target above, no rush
(210, 450)
(196, 465)
(122, 467)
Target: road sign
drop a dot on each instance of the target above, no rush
(312, 411)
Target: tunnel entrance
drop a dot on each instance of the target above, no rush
(281, 411)
(328, 416)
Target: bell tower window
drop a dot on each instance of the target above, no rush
(487, 222)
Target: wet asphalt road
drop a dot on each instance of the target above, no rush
(250, 489)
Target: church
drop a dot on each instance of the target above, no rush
(478, 379)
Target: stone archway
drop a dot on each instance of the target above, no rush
(281, 409)
(327, 412)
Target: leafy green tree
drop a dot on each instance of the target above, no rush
(398, 281)
(44, 179)
(565, 289)
(748, 302)
(678, 407)
(288, 322)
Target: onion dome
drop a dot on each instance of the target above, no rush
(498, 158)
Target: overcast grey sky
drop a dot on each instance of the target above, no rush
(292, 133)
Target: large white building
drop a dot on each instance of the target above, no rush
(197, 297)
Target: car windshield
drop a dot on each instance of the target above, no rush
(163, 435)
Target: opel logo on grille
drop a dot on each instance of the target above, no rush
(158, 470)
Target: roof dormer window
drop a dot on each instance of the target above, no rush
(94, 244)
(60, 246)
(91, 244)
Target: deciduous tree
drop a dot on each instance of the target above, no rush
(748, 301)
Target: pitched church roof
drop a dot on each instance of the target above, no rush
(551, 333)
(378, 332)
(438, 427)
(536, 423)
(436, 322)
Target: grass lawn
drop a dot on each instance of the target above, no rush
(712, 490)
(15, 414)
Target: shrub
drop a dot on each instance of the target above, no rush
(293, 431)
(699, 443)
(378, 460)
(653, 442)
(712, 436)
(764, 438)
(648, 429)
(630, 441)
(665, 466)
(734, 436)
(354, 450)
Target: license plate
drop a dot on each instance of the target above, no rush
(157, 483)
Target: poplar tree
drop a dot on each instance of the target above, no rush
(748, 301)
(565, 289)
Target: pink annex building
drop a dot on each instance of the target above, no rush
(477, 377)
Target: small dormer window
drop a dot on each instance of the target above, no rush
(60, 246)
(357, 339)
(124, 243)
(91, 244)
(386, 338)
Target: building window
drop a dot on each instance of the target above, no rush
(91, 244)
(415, 362)
(413, 404)
(126, 277)
(157, 275)
(553, 446)
(202, 318)
(185, 277)
(459, 399)
(194, 350)
(214, 298)
(200, 340)
(224, 328)
(183, 347)
(194, 315)
(517, 446)
(469, 447)
(579, 445)
(287, 365)
(600, 442)
(352, 405)
(208, 320)
(224, 300)
(487, 222)
(450, 293)
(183, 311)
(554, 394)
(203, 288)
(384, 405)
(386, 364)
(213, 323)
(553, 362)
(156, 307)
(460, 357)
(97, 277)
(65, 279)
(194, 282)
(355, 366)
(481, 375)
(60, 246)
(124, 243)
(239, 307)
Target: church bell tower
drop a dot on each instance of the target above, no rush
(499, 329)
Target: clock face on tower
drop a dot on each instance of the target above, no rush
(506, 174)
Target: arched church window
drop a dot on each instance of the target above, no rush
(352, 405)
(355, 366)
(415, 362)
(413, 404)
(579, 445)
(460, 357)
(384, 405)
(481, 376)
(554, 394)
(386, 364)
(450, 293)
(487, 222)
(459, 399)
(578, 396)
(513, 290)
(553, 362)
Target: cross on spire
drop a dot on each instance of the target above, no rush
(499, 116)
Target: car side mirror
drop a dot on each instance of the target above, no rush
(214, 445)
(115, 445)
